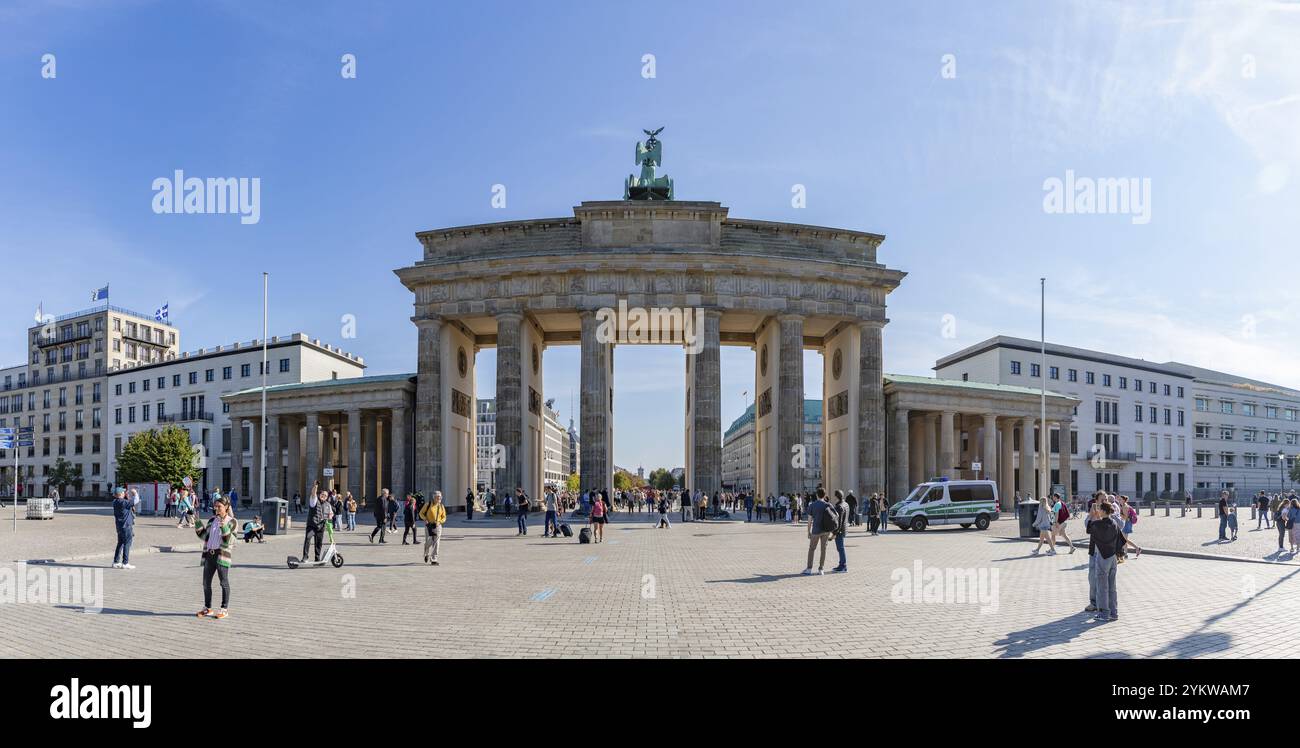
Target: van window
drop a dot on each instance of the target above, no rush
(935, 494)
(959, 493)
(981, 492)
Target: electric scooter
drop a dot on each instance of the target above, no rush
(331, 555)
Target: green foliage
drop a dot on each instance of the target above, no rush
(573, 484)
(1295, 471)
(63, 474)
(622, 481)
(662, 479)
(157, 456)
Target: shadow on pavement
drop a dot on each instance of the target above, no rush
(754, 579)
(1025, 641)
(125, 612)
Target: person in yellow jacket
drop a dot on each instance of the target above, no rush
(434, 515)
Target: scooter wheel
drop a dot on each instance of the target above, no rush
(337, 560)
(292, 562)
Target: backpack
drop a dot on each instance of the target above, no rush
(830, 519)
(1062, 514)
(1133, 515)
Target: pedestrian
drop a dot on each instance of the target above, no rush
(381, 517)
(124, 521)
(597, 520)
(1104, 543)
(884, 513)
(1129, 517)
(1281, 512)
(749, 507)
(551, 525)
(351, 509)
(319, 512)
(1060, 515)
(1293, 525)
(408, 520)
(820, 526)
(254, 530)
(469, 504)
(1261, 511)
(1223, 515)
(1043, 522)
(393, 510)
(873, 515)
(217, 535)
(841, 510)
(434, 515)
(234, 498)
(521, 511)
(337, 504)
(297, 503)
(663, 513)
(854, 518)
(1232, 521)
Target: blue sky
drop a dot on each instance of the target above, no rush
(848, 99)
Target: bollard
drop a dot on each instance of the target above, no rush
(1153, 510)
(1166, 508)
(1198, 511)
(1183, 510)
(1252, 512)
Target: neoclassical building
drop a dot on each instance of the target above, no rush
(524, 286)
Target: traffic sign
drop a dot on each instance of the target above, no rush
(26, 429)
(6, 444)
(328, 472)
(26, 443)
(6, 432)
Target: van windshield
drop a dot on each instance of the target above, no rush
(918, 492)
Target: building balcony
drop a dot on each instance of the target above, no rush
(185, 417)
(44, 342)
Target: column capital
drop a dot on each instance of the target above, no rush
(429, 322)
(509, 316)
(791, 317)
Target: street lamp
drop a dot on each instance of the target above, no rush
(1281, 463)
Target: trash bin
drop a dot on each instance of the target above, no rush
(1028, 511)
(275, 515)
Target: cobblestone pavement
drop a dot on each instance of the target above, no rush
(1189, 534)
(699, 590)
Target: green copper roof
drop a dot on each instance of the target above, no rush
(812, 413)
(957, 383)
(345, 382)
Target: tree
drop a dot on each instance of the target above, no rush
(63, 474)
(1295, 470)
(622, 480)
(157, 456)
(573, 483)
(661, 479)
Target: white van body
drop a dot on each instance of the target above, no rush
(947, 502)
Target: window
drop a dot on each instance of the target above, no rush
(1168, 417)
(284, 366)
(1153, 414)
(130, 414)
(209, 375)
(1180, 392)
(1202, 404)
(1034, 370)
(176, 380)
(1089, 378)
(1202, 459)
(1015, 367)
(1053, 372)
(1226, 407)
(1123, 383)
(1202, 431)
(162, 411)
(144, 386)
(1180, 417)
(194, 377)
(1248, 409)
(1249, 435)
(144, 412)
(1137, 413)
(117, 416)
(1151, 387)
(1166, 390)
(1105, 380)
(1137, 385)
(1250, 460)
(245, 370)
(226, 372)
(1072, 375)
(162, 382)
(1226, 433)
(1227, 459)
(130, 388)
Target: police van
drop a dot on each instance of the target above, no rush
(947, 502)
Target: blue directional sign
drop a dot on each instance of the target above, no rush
(26, 429)
(6, 432)
(26, 443)
(6, 443)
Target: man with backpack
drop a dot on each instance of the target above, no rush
(822, 523)
(381, 518)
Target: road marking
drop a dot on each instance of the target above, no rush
(590, 560)
(542, 596)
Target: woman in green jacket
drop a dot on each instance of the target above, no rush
(217, 535)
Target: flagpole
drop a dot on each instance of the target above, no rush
(262, 479)
(1044, 438)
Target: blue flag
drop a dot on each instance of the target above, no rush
(160, 314)
(100, 295)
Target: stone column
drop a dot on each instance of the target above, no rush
(989, 450)
(707, 413)
(327, 453)
(237, 456)
(947, 455)
(871, 410)
(1027, 486)
(1007, 466)
(370, 470)
(789, 408)
(931, 455)
(594, 455)
(355, 466)
(510, 404)
(428, 408)
(255, 474)
(274, 458)
(916, 452)
(899, 484)
(1063, 458)
(311, 435)
(294, 463)
(397, 480)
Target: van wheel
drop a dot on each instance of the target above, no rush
(965, 525)
(918, 523)
(982, 522)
